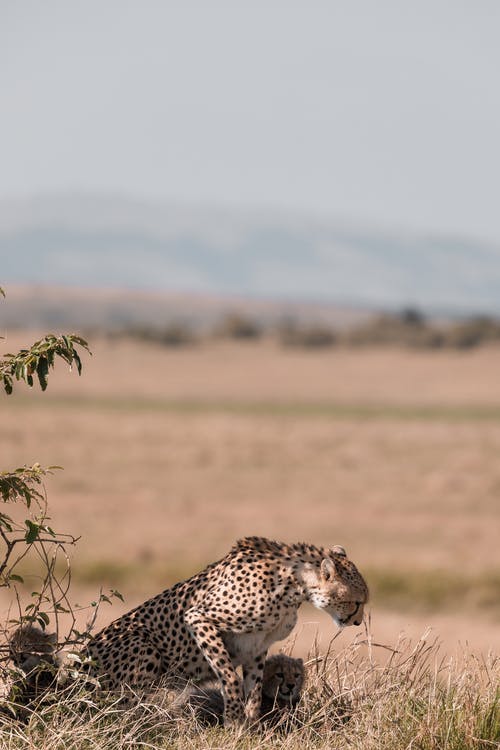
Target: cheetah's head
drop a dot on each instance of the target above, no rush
(283, 679)
(29, 645)
(338, 588)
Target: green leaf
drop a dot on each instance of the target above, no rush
(15, 577)
(78, 362)
(42, 370)
(32, 532)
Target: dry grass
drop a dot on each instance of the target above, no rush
(411, 698)
(263, 372)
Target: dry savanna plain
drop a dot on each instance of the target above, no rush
(170, 455)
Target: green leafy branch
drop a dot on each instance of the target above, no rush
(34, 542)
(40, 358)
(30, 543)
(24, 484)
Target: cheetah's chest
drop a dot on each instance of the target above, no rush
(245, 647)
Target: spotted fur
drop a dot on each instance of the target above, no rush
(33, 652)
(228, 615)
(282, 683)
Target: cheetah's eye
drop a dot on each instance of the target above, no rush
(280, 675)
(297, 675)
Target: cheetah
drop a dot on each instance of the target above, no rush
(228, 615)
(282, 683)
(33, 652)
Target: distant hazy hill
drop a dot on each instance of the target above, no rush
(106, 241)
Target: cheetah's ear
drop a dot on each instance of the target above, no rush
(328, 569)
(338, 550)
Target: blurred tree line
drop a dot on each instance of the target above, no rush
(408, 328)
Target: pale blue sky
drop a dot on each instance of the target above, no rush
(377, 112)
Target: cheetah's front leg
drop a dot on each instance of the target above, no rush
(252, 678)
(209, 640)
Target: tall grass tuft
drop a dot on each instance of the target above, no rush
(366, 697)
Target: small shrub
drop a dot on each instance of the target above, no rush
(411, 316)
(27, 539)
(406, 329)
(312, 336)
(473, 332)
(235, 325)
(174, 334)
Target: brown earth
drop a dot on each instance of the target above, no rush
(170, 455)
